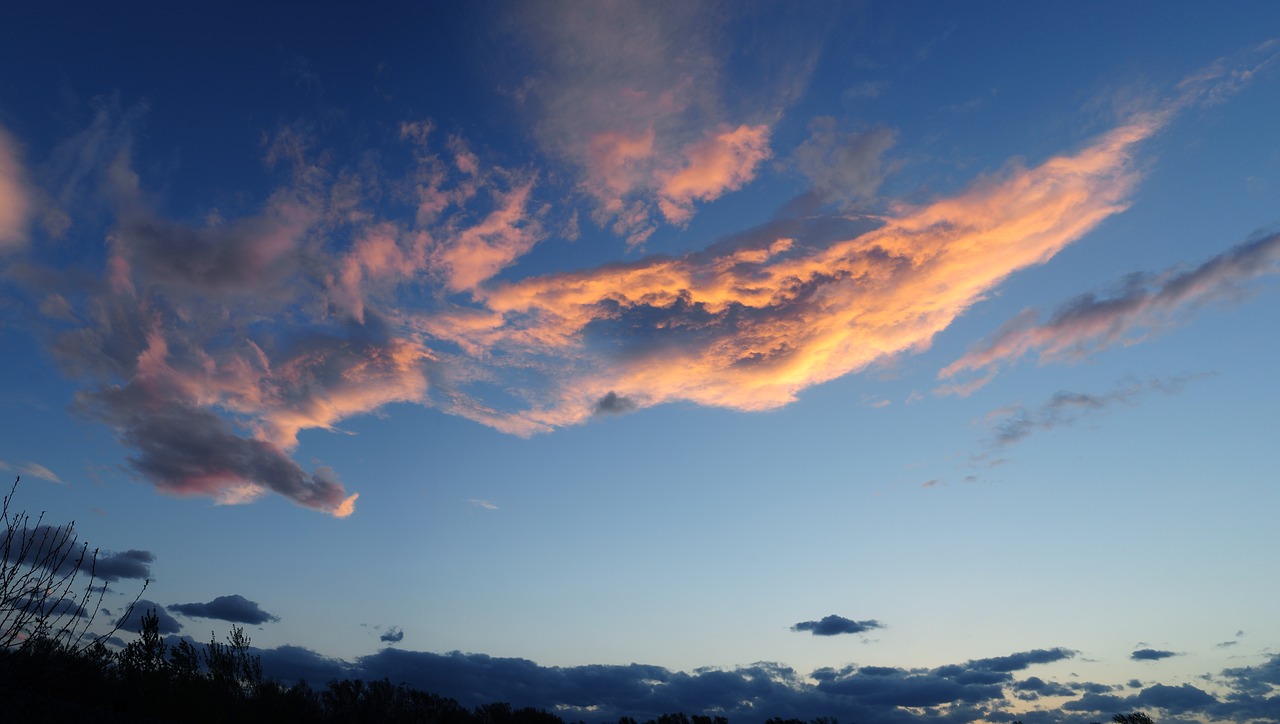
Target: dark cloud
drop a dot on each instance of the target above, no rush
(133, 621)
(833, 625)
(1020, 661)
(1175, 699)
(393, 635)
(190, 450)
(234, 608)
(613, 404)
(1150, 655)
(128, 564)
(596, 693)
(45, 543)
(1013, 424)
(1141, 305)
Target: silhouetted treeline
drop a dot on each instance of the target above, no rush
(47, 680)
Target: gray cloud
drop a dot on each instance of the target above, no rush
(1151, 655)
(613, 404)
(833, 625)
(46, 541)
(845, 168)
(1143, 304)
(133, 621)
(1015, 423)
(234, 608)
(393, 635)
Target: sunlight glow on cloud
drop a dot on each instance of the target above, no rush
(751, 326)
(15, 202)
(326, 303)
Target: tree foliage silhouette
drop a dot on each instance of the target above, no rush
(41, 598)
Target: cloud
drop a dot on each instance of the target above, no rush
(210, 347)
(1015, 423)
(46, 545)
(1144, 304)
(748, 325)
(393, 635)
(133, 621)
(633, 98)
(234, 608)
(128, 564)
(833, 625)
(482, 503)
(613, 404)
(845, 168)
(1150, 655)
(15, 198)
(35, 470)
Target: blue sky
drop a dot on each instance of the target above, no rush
(577, 336)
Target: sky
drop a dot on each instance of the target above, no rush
(883, 361)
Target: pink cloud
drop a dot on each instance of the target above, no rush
(15, 200)
(724, 161)
(750, 327)
(474, 254)
(631, 96)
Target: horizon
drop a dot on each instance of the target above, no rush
(872, 361)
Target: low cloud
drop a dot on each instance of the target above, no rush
(133, 621)
(393, 635)
(834, 625)
(45, 543)
(1151, 655)
(234, 608)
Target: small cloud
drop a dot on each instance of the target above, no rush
(233, 608)
(34, 470)
(133, 621)
(479, 503)
(931, 483)
(613, 404)
(834, 625)
(1150, 655)
(393, 635)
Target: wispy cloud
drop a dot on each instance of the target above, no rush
(632, 97)
(35, 470)
(1015, 423)
(1144, 304)
(480, 503)
(15, 200)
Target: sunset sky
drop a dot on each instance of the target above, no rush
(883, 361)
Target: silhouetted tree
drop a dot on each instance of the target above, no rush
(1135, 718)
(39, 597)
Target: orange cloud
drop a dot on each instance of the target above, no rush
(473, 255)
(748, 328)
(724, 161)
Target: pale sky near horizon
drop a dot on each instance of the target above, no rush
(571, 336)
